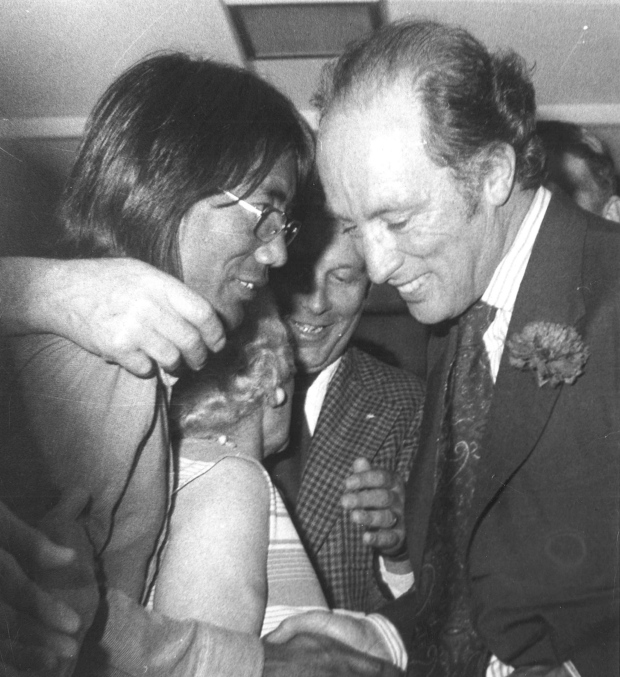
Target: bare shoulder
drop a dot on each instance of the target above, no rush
(233, 485)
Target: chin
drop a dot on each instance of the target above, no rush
(232, 317)
(428, 313)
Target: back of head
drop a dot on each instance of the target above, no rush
(169, 132)
(591, 181)
(257, 359)
(471, 98)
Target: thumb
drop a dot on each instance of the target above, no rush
(311, 621)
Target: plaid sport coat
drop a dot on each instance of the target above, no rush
(371, 410)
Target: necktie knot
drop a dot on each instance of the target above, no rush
(474, 323)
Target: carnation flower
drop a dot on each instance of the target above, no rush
(554, 352)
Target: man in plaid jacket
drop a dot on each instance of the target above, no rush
(350, 412)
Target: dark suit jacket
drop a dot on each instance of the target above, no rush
(370, 410)
(543, 552)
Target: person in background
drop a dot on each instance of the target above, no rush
(355, 421)
(580, 164)
(428, 154)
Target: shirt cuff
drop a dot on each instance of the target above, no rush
(398, 584)
(391, 638)
(498, 669)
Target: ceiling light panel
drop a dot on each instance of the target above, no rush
(301, 30)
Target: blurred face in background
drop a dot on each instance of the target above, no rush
(321, 292)
(574, 176)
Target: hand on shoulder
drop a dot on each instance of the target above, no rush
(123, 310)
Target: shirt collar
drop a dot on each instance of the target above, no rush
(316, 394)
(504, 286)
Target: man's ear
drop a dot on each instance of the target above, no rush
(501, 166)
(611, 210)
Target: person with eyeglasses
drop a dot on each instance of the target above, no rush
(189, 166)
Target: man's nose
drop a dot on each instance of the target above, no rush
(317, 300)
(379, 252)
(272, 253)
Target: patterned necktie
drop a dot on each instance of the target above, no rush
(445, 642)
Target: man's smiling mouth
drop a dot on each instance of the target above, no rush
(413, 287)
(308, 329)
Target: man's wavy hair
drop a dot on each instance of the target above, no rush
(472, 100)
(257, 359)
(169, 132)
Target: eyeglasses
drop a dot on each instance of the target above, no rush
(270, 221)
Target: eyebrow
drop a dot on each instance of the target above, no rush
(379, 212)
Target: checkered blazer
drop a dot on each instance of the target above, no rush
(370, 410)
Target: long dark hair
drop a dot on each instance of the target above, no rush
(170, 131)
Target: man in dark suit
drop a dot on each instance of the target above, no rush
(349, 411)
(429, 159)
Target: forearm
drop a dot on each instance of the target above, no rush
(26, 305)
(140, 642)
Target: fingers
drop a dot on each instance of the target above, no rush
(170, 340)
(385, 541)
(310, 655)
(165, 337)
(28, 639)
(375, 498)
(311, 621)
(33, 547)
(16, 659)
(353, 630)
(131, 314)
(373, 478)
(202, 317)
(24, 603)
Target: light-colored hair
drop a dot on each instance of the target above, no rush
(257, 359)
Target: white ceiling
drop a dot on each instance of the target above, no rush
(57, 56)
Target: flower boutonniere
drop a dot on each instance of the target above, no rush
(554, 352)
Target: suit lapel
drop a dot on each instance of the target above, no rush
(549, 292)
(353, 423)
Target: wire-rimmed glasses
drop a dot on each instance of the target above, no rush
(270, 221)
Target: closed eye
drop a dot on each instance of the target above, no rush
(351, 229)
(399, 226)
(347, 276)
